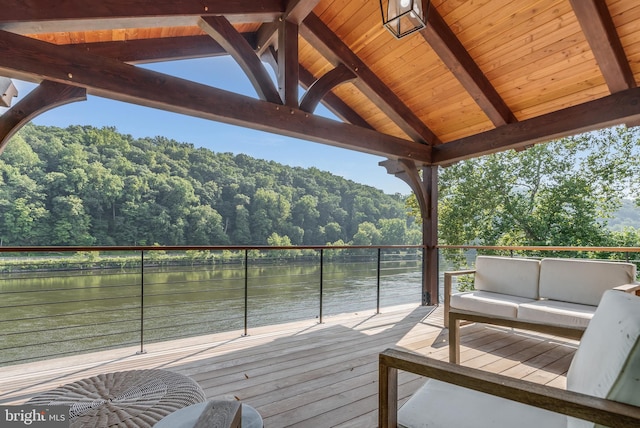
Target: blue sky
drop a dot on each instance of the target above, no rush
(224, 73)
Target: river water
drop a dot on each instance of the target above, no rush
(48, 314)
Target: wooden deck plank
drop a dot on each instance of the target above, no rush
(308, 374)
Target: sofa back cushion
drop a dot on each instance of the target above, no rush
(607, 362)
(582, 281)
(507, 275)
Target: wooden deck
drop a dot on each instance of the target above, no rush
(306, 374)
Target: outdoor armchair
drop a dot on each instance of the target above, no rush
(603, 383)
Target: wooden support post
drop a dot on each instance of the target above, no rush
(288, 73)
(430, 281)
(426, 190)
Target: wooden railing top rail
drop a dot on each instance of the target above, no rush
(197, 248)
(13, 249)
(540, 248)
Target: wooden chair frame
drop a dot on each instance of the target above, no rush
(599, 410)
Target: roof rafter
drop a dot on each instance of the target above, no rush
(29, 59)
(334, 49)
(228, 37)
(604, 112)
(600, 31)
(445, 43)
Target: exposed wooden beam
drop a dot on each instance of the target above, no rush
(296, 11)
(331, 101)
(600, 31)
(331, 47)
(445, 43)
(156, 50)
(288, 63)
(29, 59)
(44, 97)
(323, 85)
(334, 103)
(232, 41)
(40, 15)
(614, 109)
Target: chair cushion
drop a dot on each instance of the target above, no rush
(556, 312)
(439, 404)
(488, 303)
(506, 275)
(607, 362)
(582, 281)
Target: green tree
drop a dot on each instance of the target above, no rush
(550, 194)
(368, 234)
(70, 224)
(83, 185)
(392, 231)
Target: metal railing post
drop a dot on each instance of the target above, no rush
(246, 292)
(378, 284)
(321, 281)
(141, 351)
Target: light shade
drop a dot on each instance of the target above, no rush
(402, 17)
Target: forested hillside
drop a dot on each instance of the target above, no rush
(88, 186)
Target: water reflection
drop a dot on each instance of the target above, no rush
(62, 312)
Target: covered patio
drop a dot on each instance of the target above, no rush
(481, 77)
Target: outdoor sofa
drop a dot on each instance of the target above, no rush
(552, 295)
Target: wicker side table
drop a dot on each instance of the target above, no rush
(132, 399)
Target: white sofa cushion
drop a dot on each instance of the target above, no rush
(488, 303)
(607, 362)
(443, 405)
(507, 275)
(582, 281)
(556, 312)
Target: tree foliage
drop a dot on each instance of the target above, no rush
(553, 194)
(87, 186)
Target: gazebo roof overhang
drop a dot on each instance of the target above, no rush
(481, 77)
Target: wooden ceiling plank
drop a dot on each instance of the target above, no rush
(445, 43)
(332, 48)
(288, 78)
(221, 30)
(29, 59)
(600, 31)
(615, 109)
(323, 85)
(43, 98)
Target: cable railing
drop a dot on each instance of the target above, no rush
(58, 301)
